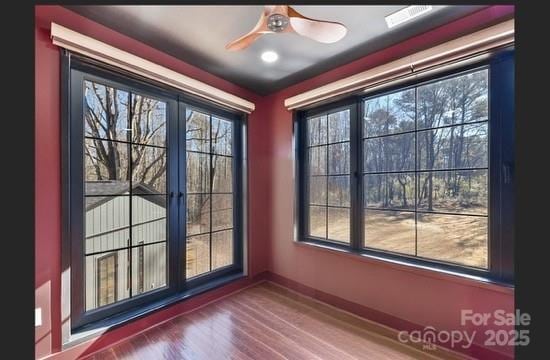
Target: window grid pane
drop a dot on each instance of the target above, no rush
(125, 161)
(328, 153)
(426, 156)
(210, 166)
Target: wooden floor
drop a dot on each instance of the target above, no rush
(265, 322)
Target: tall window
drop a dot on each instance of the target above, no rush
(146, 169)
(125, 183)
(429, 175)
(328, 151)
(209, 192)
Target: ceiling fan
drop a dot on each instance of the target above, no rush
(284, 19)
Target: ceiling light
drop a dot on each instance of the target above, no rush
(269, 56)
(406, 14)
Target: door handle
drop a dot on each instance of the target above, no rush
(173, 194)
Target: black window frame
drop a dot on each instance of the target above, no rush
(343, 105)
(501, 164)
(74, 70)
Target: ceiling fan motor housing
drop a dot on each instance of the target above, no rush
(277, 22)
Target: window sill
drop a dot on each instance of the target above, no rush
(96, 329)
(418, 269)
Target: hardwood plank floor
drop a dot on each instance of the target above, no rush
(267, 322)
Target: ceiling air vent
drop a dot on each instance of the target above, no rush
(406, 14)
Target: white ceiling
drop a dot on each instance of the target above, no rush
(198, 35)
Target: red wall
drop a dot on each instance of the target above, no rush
(415, 296)
(48, 176)
(392, 292)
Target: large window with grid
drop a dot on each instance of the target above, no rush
(426, 170)
(419, 173)
(152, 182)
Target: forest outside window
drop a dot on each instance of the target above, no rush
(425, 162)
(426, 170)
(210, 195)
(152, 185)
(328, 150)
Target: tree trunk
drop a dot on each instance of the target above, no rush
(431, 161)
(405, 204)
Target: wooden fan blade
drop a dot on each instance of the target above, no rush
(323, 31)
(246, 40)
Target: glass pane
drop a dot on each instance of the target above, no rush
(455, 238)
(317, 130)
(318, 221)
(222, 212)
(198, 214)
(389, 114)
(106, 278)
(318, 160)
(338, 126)
(106, 223)
(338, 158)
(390, 231)
(149, 169)
(222, 249)
(148, 218)
(464, 192)
(453, 147)
(452, 101)
(222, 136)
(148, 121)
(338, 191)
(148, 268)
(198, 255)
(105, 167)
(197, 131)
(223, 174)
(318, 190)
(389, 191)
(105, 112)
(338, 224)
(389, 153)
(198, 173)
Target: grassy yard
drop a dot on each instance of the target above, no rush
(198, 252)
(459, 239)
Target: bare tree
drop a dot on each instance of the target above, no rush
(107, 119)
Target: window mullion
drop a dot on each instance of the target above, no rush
(356, 178)
(416, 178)
(303, 161)
(176, 172)
(130, 172)
(210, 189)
